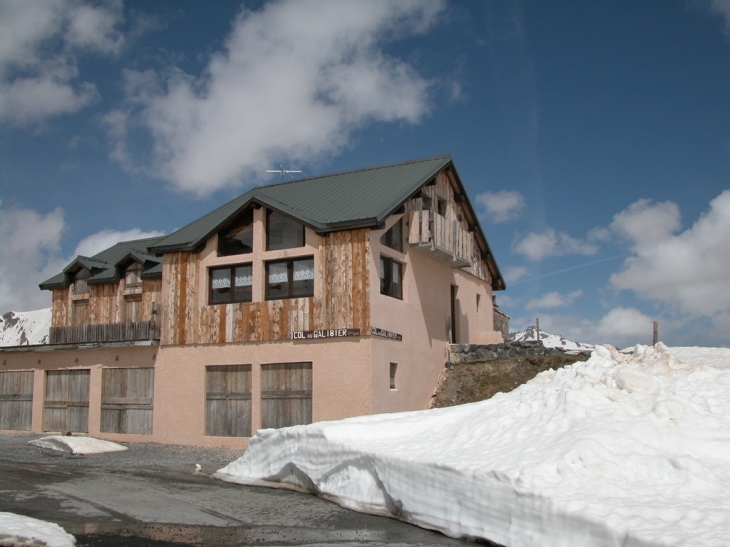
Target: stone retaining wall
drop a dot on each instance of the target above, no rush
(475, 353)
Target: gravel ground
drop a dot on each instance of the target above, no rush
(160, 457)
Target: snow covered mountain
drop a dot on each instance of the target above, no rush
(548, 340)
(25, 328)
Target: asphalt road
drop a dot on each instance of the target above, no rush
(148, 496)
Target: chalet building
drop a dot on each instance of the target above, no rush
(315, 299)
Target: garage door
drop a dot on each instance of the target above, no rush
(126, 400)
(286, 394)
(16, 400)
(67, 401)
(228, 400)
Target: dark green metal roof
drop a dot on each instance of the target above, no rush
(103, 265)
(350, 199)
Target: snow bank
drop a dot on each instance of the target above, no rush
(617, 451)
(17, 530)
(77, 445)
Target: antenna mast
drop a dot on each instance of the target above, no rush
(282, 171)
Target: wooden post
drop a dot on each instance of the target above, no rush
(537, 328)
(656, 332)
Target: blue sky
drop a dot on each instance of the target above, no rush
(593, 137)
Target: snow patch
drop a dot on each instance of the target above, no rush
(77, 445)
(17, 530)
(620, 450)
(25, 328)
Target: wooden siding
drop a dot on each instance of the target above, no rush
(16, 400)
(286, 394)
(228, 401)
(107, 332)
(106, 302)
(127, 395)
(341, 283)
(67, 401)
(464, 240)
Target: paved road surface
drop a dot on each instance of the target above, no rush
(149, 497)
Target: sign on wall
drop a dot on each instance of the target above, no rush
(324, 333)
(385, 333)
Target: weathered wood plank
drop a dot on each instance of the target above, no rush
(228, 400)
(67, 401)
(16, 400)
(127, 400)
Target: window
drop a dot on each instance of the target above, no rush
(231, 284)
(442, 207)
(282, 232)
(133, 276)
(393, 369)
(80, 282)
(238, 238)
(393, 238)
(290, 278)
(79, 312)
(132, 308)
(391, 277)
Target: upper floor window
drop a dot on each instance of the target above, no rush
(231, 284)
(237, 239)
(291, 278)
(81, 279)
(393, 238)
(282, 232)
(391, 277)
(133, 275)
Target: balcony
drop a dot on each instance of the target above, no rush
(440, 238)
(109, 332)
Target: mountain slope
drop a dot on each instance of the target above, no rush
(25, 328)
(548, 340)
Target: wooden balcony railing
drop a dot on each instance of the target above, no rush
(441, 238)
(109, 332)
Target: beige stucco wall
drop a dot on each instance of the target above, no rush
(422, 318)
(340, 376)
(43, 359)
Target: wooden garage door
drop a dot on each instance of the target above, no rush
(126, 400)
(67, 401)
(16, 399)
(286, 394)
(228, 400)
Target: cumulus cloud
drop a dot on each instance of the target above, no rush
(30, 252)
(39, 46)
(687, 270)
(553, 300)
(293, 81)
(537, 246)
(621, 327)
(501, 206)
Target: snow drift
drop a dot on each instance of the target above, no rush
(621, 450)
(77, 445)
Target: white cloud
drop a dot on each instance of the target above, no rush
(689, 270)
(30, 252)
(39, 45)
(95, 243)
(514, 273)
(553, 300)
(625, 324)
(537, 246)
(294, 80)
(501, 206)
(721, 7)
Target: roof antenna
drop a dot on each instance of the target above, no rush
(282, 171)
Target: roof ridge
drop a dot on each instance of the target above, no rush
(136, 240)
(359, 170)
